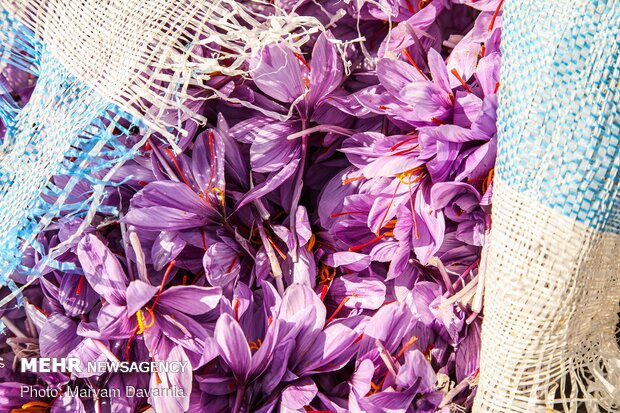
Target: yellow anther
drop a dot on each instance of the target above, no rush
(140, 318)
(255, 345)
(418, 171)
(36, 406)
(311, 242)
(219, 193)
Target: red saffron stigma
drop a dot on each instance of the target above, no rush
(340, 214)
(204, 238)
(232, 264)
(401, 143)
(212, 163)
(236, 308)
(302, 60)
(388, 208)
(78, 289)
(460, 79)
(365, 244)
(499, 6)
(359, 338)
(176, 164)
(128, 346)
(324, 292)
(163, 282)
(337, 310)
(409, 6)
(496, 88)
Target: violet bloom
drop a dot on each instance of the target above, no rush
(193, 196)
(164, 317)
(291, 343)
(282, 147)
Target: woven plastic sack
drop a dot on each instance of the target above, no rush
(553, 259)
(100, 62)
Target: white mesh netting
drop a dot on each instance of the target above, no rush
(132, 59)
(553, 270)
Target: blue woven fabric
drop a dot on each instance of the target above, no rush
(559, 135)
(66, 128)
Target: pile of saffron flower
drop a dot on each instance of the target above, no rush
(314, 248)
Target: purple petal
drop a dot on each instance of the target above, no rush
(298, 395)
(102, 270)
(273, 181)
(192, 300)
(58, 336)
(366, 293)
(221, 263)
(279, 73)
(166, 247)
(394, 75)
(325, 67)
(138, 294)
(233, 346)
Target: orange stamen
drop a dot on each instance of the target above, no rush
(255, 345)
(460, 79)
(326, 274)
(275, 247)
(311, 242)
(413, 63)
(488, 180)
(35, 406)
(337, 310)
(408, 344)
(349, 180)
(157, 378)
